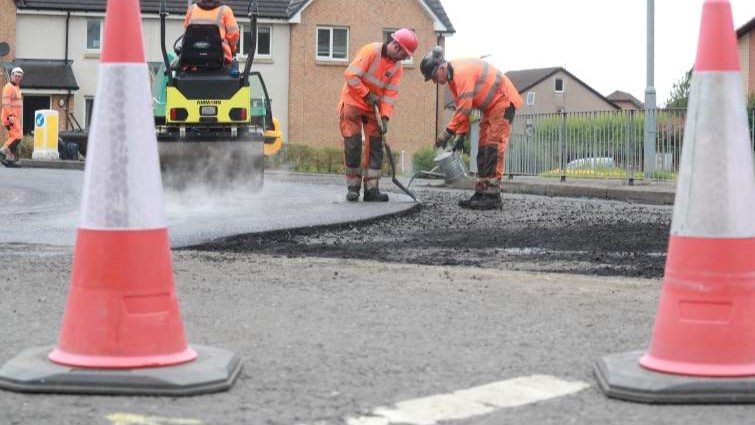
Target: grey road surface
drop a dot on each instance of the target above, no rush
(324, 340)
(336, 341)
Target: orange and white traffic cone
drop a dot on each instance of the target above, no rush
(701, 350)
(122, 331)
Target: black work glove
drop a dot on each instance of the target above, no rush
(384, 125)
(459, 142)
(443, 138)
(372, 99)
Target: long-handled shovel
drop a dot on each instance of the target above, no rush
(390, 156)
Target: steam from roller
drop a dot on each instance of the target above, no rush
(215, 164)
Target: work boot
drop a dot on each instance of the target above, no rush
(4, 152)
(488, 201)
(464, 203)
(374, 195)
(353, 194)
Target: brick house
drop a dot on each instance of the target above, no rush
(746, 39)
(303, 81)
(549, 90)
(625, 101)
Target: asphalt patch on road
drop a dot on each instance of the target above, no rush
(531, 233)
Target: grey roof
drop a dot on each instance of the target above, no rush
(434, 5)
(744, 29)
(272, 9)
(44, 73)
(526, 78)
(620, 96)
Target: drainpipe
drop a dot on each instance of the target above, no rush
(68, 95)
(437, 93)
(68, 25)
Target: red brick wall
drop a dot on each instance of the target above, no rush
(7, 35)
(315, 87)
(8, 27)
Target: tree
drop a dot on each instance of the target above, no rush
(680, 92)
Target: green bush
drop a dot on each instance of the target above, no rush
(26, 147)
(422, 160)
(308, 159)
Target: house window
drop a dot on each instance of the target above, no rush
(264, 41)
(94, 34)
(531, 98)
(387, 38)
(332, 43)
(88, 110)
(558, 86)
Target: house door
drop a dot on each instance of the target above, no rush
(31, 105)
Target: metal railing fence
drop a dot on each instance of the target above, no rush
(605, 144)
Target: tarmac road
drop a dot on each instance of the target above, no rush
(325, 340)
(43, 207)
(332, 338)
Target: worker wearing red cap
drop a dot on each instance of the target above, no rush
(372, 79)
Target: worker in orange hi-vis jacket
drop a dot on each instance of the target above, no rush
(372, 79)
(215, 12)
(11, 114)
(476, 84)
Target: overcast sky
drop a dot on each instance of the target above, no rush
(601, 42)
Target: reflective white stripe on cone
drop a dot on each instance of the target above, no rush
(122, 185)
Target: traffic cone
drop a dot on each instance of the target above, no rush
(122, 331)
(702, 349)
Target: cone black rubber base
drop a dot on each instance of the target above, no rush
(621, 376)
(213, 370)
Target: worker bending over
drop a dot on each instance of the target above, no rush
(476, 84)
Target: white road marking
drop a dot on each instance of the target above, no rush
(471, 402)
(132, 419)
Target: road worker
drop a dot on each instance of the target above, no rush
(476, 84)
(215, 12)
(372, 79)
(12, 112)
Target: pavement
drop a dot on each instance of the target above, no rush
(640, 191)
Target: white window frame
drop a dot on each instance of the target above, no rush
(330, 55)
(86, 35)
(387, 37)
(87, 111)
(257, 54)
(531, 98)
(555, 85)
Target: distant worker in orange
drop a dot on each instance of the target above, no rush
(11, 114)
(372, 78)
(215, 12)
(476, 84)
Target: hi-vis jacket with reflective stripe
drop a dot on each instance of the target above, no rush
(372, 71)
(12, 103)
(225, 21)
(478, 85)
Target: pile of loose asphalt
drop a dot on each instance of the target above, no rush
(530, 233)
